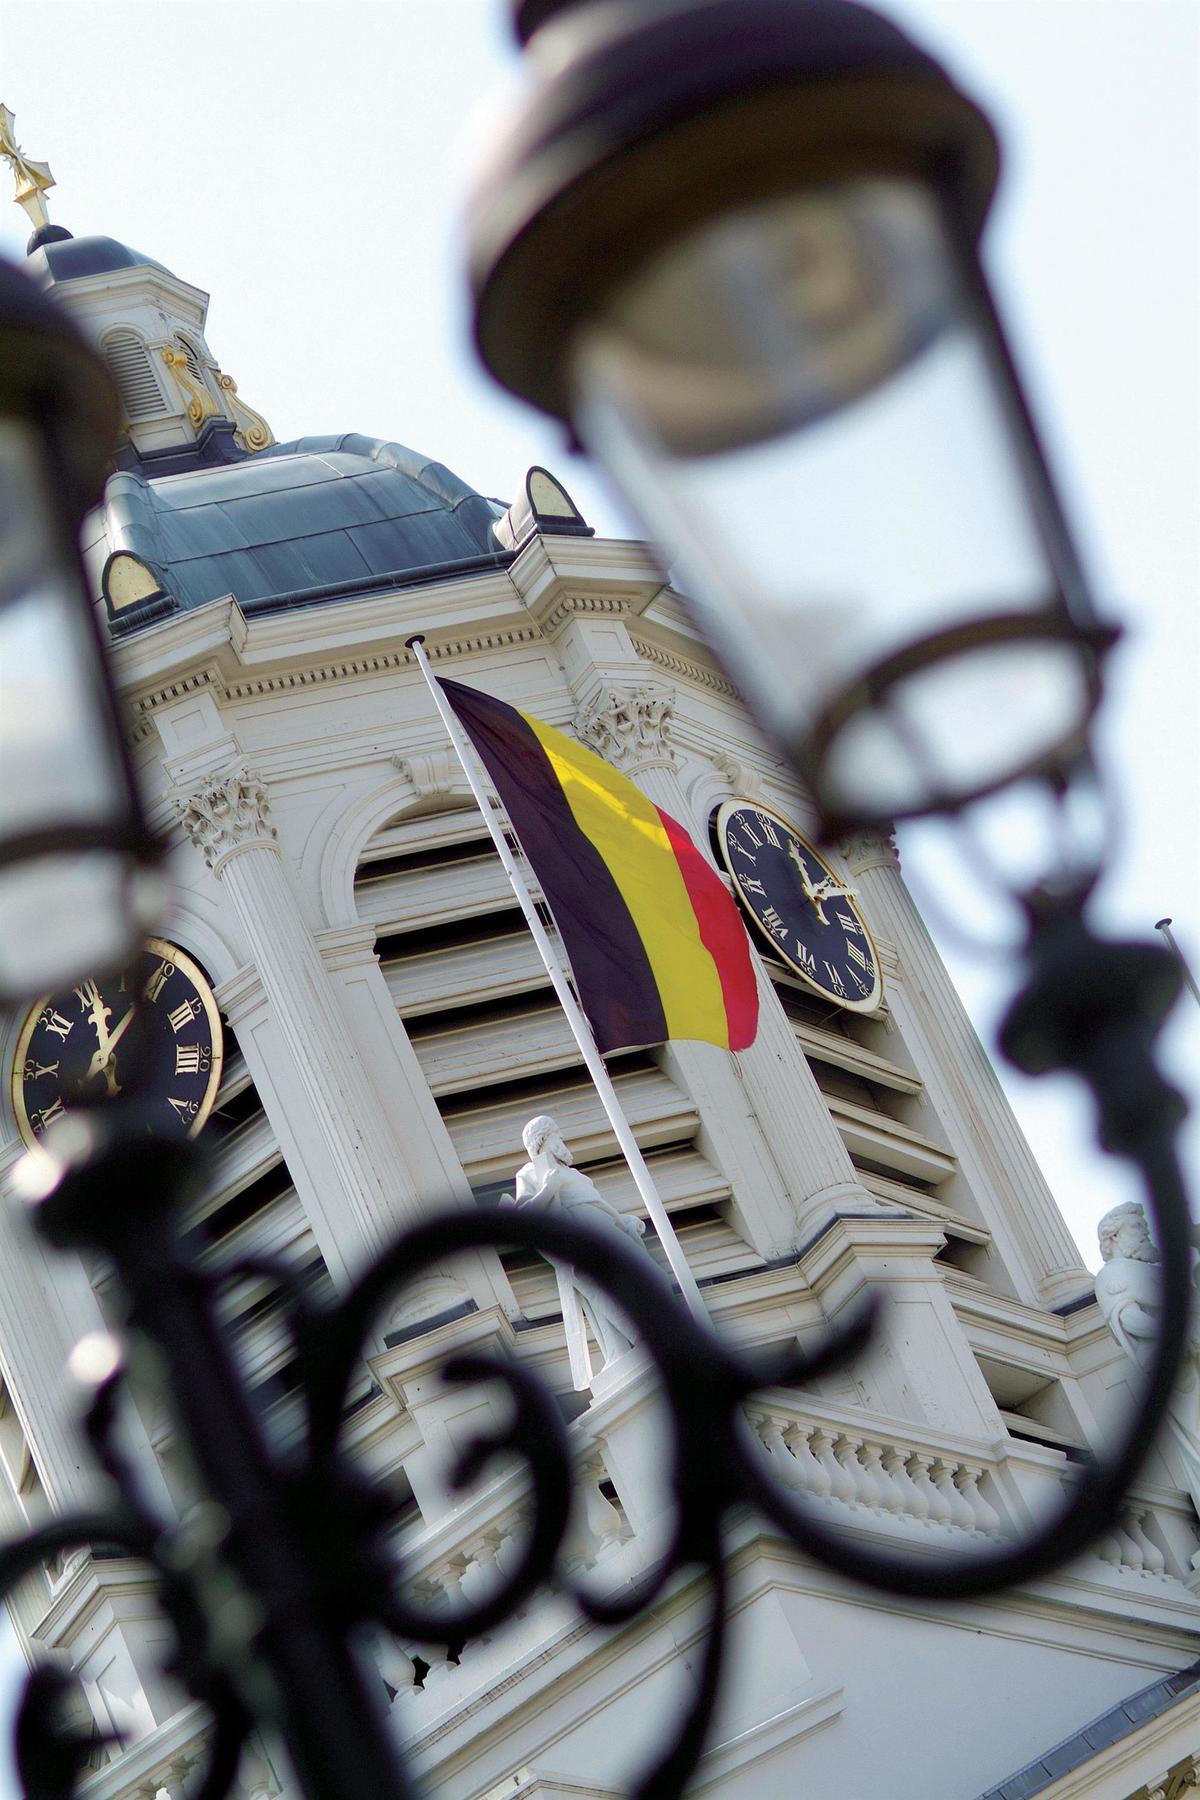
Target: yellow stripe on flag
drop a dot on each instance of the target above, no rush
(625, 828)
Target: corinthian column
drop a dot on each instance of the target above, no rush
(763, 1114)
(964, 1089)
(354, 1183)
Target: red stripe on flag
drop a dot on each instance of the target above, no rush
(721, 932)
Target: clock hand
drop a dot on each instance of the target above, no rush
(832, 889)
(99, 1015)
(813, 894)
(108, 1042)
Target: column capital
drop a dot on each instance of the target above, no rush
(865, 850)
(629, 727)
(228, 812)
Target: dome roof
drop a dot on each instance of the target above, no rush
(286, 524)
(65, 258)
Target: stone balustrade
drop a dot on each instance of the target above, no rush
(1128, 1546)
(874, 1474)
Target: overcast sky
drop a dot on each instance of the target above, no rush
(305, 163)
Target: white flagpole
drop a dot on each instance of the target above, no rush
(581, 1029)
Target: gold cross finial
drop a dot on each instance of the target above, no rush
(32, 178)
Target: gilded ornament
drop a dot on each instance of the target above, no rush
(253, 432)
(33, 179)
(199, 402)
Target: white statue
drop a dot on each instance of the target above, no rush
(550, 1182)
(1127, 1294)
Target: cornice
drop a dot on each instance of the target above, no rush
(584, 567)
(848, 1239)
(242, 656)
(553, 617)
(687, 668)
(986, 1307)
(86, 1585)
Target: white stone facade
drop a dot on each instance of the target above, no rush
(394, 1031)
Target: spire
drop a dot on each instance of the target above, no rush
(181, 409)
(33, 179)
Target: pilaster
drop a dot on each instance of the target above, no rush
(920, 1365)
(786, 1177)
(964, 1089)
(364, 1191)
(46, 1305)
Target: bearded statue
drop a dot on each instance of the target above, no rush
(1127, 1294)
(550, 1182)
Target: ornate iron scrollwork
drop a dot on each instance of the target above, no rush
(301, 1532)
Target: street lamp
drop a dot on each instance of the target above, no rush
(77, 888)
(734, 244)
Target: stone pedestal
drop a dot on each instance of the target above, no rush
(627, 1424)
(445, 1415)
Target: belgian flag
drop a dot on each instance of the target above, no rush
(655, 942)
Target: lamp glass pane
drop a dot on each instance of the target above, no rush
(72, 914)
(803, 407)
(60, 766)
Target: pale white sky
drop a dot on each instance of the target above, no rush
(304, 161)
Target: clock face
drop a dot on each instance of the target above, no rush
(152, 1032)
(806, 913)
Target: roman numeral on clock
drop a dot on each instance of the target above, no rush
(47, 1116)
(774, 924)
(835, 980)
(857, 955)
(158, 980)
(192, 1059)
(185, 1012)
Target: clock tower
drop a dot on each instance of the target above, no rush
(346, 1008)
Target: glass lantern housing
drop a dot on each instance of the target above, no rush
(78, 887)
(809, 404)
(733, 244)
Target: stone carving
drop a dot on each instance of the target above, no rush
(630, 727)
(1127, 1295)
(436, 776)
(870, 850)
(550, 1182)
(228, 813)
(741, 777)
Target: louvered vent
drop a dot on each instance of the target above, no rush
(190, 357)
(496, 1050)
(129, 361)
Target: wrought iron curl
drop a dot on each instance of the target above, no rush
(311, 1538)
